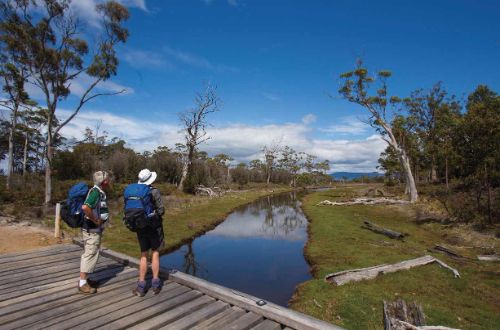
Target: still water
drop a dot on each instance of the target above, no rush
(258, 250)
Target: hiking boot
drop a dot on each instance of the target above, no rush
(92, 283)
(140, 290)
(156, 285)
(86, 289)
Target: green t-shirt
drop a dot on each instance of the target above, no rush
(92, 198)
(96, 200)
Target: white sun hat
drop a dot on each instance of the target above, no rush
(147, 177)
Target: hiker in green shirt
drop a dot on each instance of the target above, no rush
(96, 212)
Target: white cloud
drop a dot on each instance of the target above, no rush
(271, 96)
(309, 119)
(145, 59)
(230, 2)
(80, 84)
(241, 141)
(349, 125)
(195, 60)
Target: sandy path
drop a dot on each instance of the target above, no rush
(14, 238)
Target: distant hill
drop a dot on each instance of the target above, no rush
(353, 175)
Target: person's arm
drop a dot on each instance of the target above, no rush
(160, 209)
(90, 215)
(90, 204)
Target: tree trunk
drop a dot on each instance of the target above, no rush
(185, 166)
(446, 173)
(228, 175)
(268, 175)
(25, 154)
(433, 171)
(48, 171)
(10, 164)
(410, 182)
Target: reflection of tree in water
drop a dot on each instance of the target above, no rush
(190, 265)
(282, 213)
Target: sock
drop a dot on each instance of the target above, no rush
(83, 282)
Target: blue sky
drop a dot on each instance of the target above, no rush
(275, 62)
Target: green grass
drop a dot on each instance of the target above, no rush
(186, 217)
(336, 242)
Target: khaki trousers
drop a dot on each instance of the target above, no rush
(92, 243)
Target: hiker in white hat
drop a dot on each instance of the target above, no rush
(151, 238)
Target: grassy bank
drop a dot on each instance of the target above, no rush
(186, 217)
(338, 243)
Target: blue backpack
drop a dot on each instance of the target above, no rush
(139, 209)
(71, 208)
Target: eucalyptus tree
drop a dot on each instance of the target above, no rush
(13, 85)
(355, 88)
(194, 123)
(51, 44)
(477, 143)
(271, 153)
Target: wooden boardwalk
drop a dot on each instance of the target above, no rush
(38, 290)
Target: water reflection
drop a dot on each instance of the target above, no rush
(257, 250)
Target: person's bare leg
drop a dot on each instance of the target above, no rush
(143, 268)
(155, 263)
(83, 276)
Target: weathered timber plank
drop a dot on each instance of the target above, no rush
(271, 311)
(7, 273)
(45, 278)
(63, 288)
(245, 322)
(174, 314)
(45, 284)
(39, 261)
(112, 270)
(37, 305)
(267, 325)
(38, 253)
(216, 321)
(188, 321)
(143, 308)
(38, 273)
(48, 249)
(78, 317)
(55, 293)
(72, 264)
(81, 304)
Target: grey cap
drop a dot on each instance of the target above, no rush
(100, 177)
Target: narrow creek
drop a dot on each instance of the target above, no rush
(258, 250)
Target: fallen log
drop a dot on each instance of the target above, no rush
(355, 275)
(387, 232)
(448, 252)
(489, 257)
(365, 201)
(205, 191)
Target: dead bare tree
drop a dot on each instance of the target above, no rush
(194, 123)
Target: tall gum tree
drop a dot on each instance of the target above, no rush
(355, 88)
(52, 46)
